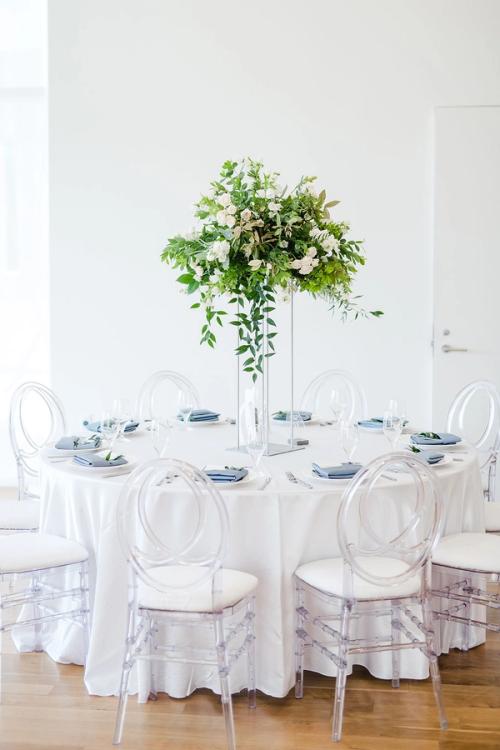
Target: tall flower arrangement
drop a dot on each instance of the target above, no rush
(257, 240)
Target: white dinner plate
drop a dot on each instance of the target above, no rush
(330, 480)
(297, 423)
(94, 471)
(250, 477)
(52, 452)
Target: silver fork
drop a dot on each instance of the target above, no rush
(295, 480)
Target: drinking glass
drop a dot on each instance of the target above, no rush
(160, 435)
(349, 436)
(110, 427)
(185, 406)
(393, 427)
(337, 407)
(122, 413)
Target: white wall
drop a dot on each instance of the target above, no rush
(148, 97)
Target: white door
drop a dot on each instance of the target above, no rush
(467, 252)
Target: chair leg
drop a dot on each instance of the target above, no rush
(251, 653)
(433, 660)
(223, 663)
(128, 663)
(85, 609)
(466, 626)
(396, 640)
(153, 693)
(299, 643)
(37, 627)
(340, 683)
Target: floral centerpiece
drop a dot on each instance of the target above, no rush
(256, 241)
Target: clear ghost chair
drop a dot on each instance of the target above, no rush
(384, 573)
(335, 391)
(36, 420)
(148, 406)
(175, 540)
(31, 565)
(475, 415)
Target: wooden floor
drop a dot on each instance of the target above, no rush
(44, 705)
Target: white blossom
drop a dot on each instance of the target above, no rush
(274, 208)
(230, 220)
(237, 232)
(198, 272)
(231, 209)
(315, 232)
(224, 199)
(246, 214)
(312, 252)
(221, 217)
(255, 264)
(219, 250)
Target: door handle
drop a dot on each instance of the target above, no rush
(446, 348)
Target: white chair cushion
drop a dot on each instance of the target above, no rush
(23, 552)
(492, 516)
(328, 576)
(469, 551)
(236, 586)
(17, 515)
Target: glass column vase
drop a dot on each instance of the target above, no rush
(257, 395)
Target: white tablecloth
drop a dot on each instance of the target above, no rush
(273, 531)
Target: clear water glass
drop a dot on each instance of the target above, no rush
(252, 432)
(349, 437)
(110, 427)
(393, 428)
(185, 406)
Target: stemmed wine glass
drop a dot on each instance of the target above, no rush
(159, 431)
(122, 414)
(109, 428)
(185, 406)
(393, 427)
(337, 407)
(349, 436)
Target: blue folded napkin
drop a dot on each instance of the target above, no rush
(344, 471)
(298, 416)
(96, 426)
(374, 423)
(443, 438)
(73, 443)
(97, 461)
(201, 415)
(430, 457)
(226, 475)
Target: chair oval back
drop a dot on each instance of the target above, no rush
(175, 524)
(383, 519)
(467, 403)
(316, 397)
(147, 403)
(36, 419)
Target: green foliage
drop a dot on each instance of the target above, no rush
(257, 240)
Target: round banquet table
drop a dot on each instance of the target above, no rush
(272, 531)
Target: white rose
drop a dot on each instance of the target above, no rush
(283, 243)
(255, 264)
(231, 209)
(198, 272)
(230, 220)
(224, 199)
(237, 232)
(246, 214)
(221, 217)
(296, 264)
(315, 232)
(312, 252)
(274, 207)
